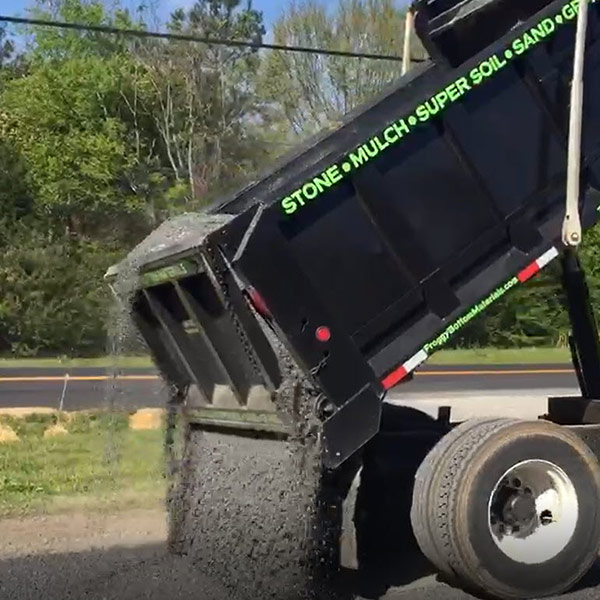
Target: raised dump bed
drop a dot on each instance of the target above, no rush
(373, 246)
(368, 249)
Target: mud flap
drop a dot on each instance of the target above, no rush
(351, 427)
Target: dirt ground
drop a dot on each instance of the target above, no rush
(123, 557)
(99, 557)
(80, 532)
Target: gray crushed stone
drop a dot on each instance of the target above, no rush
(244, 511)
(250, 516)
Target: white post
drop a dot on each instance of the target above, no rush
(571, 233)
(408, 29)
(64, 392)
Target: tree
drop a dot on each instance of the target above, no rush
(53, 299)
(64, 120)
(205, 100)
(74, 117)
(6, 48)
(101, 138)
(315, 91)
(62, 44)
(15, 197)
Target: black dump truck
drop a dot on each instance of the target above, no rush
(281, 317)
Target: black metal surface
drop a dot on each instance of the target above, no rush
(574, 410)
(352, 426)
(458, 29)
(481, 185)
(231, 367)
(201, 364)
(401, 247)
(298, 309)
(585, 345)
(170, 363)
(201, 330)
(251, 339)
(470, 289)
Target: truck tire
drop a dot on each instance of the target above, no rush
(426, 478)
(255, 516)
(515, 509)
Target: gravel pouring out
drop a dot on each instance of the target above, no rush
(251, 516)
(249, 513)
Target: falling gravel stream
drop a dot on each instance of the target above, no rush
(247, 517)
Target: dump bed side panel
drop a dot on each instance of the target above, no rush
(453, 31)
(449, 201)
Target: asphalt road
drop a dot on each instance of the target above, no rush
(94, 388)
(83, 389)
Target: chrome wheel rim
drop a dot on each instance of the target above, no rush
(533, 512)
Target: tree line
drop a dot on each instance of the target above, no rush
(104, 137)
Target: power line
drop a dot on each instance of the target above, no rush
(197, 39)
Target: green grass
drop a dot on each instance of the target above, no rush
(35, 425)
(126, 362)
(97, 467)
(495, 356)
(486, 356)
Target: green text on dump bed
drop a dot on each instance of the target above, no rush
(398, 130)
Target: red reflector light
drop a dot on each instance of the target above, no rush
(323, 334)
(394, 378)
(528, 273)
(258, 302)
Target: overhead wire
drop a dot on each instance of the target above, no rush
(182, 37)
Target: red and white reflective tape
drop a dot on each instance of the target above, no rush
(401, 372)
(396, 376)
(536, 266)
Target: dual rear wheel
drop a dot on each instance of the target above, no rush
(509, 508)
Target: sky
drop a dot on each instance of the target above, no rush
(270, 8)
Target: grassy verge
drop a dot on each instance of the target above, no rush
(105, 362)
(487, 356)
(495, 356)
(99, 464)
